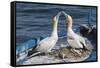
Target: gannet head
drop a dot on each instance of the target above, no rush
(55, 25)
(69, 19)
(56, 18)
(55, 21)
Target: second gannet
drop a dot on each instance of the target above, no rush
(74, 40)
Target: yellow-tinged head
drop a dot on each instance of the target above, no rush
(69, 21)
(55, 21)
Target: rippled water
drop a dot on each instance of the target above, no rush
(35, 20)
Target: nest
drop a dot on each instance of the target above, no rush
(71, 54)
(61, 55)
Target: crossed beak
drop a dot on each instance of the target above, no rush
(65, 14)
(57, 16)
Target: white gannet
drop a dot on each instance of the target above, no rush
(74, 40)
(45, 45)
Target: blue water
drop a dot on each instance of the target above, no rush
(35, 20)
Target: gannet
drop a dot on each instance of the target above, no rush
(45, 45)
(74, 40)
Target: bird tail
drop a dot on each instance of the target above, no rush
(87, 45)
(32, 51)
(33, 54)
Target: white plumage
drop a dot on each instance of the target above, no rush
(74, 40)
(48, 43)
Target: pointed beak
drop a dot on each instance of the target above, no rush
(66, 15)
(57, 16)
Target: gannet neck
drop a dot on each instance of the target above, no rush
(55, 26)
(70, 31)
(70, 22)
(54, 34)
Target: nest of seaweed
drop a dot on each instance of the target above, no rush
(71, 54)
(61, 55)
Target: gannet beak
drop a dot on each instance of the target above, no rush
(69, 19)
(56, 18)
(66, 15)
(58, 15)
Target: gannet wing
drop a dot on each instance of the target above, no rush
(82, 42)
(42, 44)
(74, 42)
(38, 47)
(83, 45)
(86, 44)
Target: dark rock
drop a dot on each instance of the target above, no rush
(90, 33)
